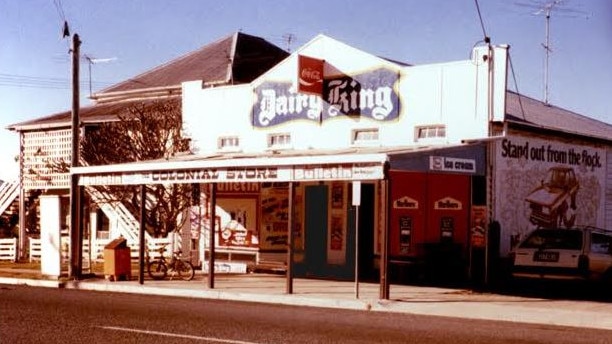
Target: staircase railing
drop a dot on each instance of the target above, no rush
(9, 191)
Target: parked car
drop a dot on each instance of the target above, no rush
(578, 253)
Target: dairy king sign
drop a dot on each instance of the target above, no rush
(371, 94)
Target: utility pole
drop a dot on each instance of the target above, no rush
(76, 241)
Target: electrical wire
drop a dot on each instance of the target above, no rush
(516, 85)
(13, 80)
(484, 32)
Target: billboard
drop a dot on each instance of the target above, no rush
(544, 183)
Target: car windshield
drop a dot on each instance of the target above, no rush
(554, 239)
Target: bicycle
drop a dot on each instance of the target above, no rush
(159, 267)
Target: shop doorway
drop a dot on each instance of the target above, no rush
(316, 227)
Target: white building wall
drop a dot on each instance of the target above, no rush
(451, 94)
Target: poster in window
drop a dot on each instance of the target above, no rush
(337, 195)
(337, 233)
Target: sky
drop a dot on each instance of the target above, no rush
(124, 38)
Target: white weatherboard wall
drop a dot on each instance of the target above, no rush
(453, 94)
(50, 235)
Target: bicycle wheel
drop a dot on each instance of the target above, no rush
(157, 270)
(185, 270)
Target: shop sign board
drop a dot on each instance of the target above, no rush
(547, 183)
(372, 94)
(450, 164)
(323, 172)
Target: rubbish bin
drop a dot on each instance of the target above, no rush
(117, 260)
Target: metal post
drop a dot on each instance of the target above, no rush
(141, 233)
(211, 239)
(76, 243)
(289, 281)
(384, 255)
(357, 251)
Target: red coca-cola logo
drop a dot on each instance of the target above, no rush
(311, 75)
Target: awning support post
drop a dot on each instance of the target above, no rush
(384, 254)
(141, 234)
(211, 236)
(289, 282)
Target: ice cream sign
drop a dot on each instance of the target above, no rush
(372, 94)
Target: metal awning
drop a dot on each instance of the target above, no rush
(351, 164)
(237, 168)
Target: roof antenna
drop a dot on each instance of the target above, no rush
(546, 8)
(289, 38)
(92, 60)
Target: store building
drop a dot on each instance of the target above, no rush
(399, 132)
(343, 163)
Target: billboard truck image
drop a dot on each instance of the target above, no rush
(553, 202)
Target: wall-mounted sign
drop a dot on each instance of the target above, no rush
(448, 203)
(448, 164)
(406, 203)
(372, 94)
(310, 75)
(324, 172)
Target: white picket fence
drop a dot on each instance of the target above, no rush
(97, 254)
(8, 249)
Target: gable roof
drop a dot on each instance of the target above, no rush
(526, 111)
(237, 58)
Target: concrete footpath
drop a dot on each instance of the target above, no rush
(270, 288)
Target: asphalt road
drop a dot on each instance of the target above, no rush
(41, 315)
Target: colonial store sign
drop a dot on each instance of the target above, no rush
(324, 172)
(372, 94)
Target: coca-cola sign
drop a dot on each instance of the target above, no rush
(310, 75)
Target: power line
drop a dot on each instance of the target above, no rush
(13, 80)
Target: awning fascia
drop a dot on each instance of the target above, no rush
(335, 167)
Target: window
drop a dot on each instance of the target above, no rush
(282, 140)
(600, 243)
(365, 135)
(430, 132)
(228, 142)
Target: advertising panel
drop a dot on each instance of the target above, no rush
(372, 94)
(274, 209)
(543, 183)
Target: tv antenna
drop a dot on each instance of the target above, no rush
(546, 8)
(91, 61)
(289, 38)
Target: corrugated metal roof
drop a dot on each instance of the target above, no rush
(237, 58)
(528, 111)
(99, 113)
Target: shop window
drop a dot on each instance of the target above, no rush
(361, 136)
(430, 132)
(282, 140)
(228, 143)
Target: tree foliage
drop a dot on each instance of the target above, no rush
(143, 131)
